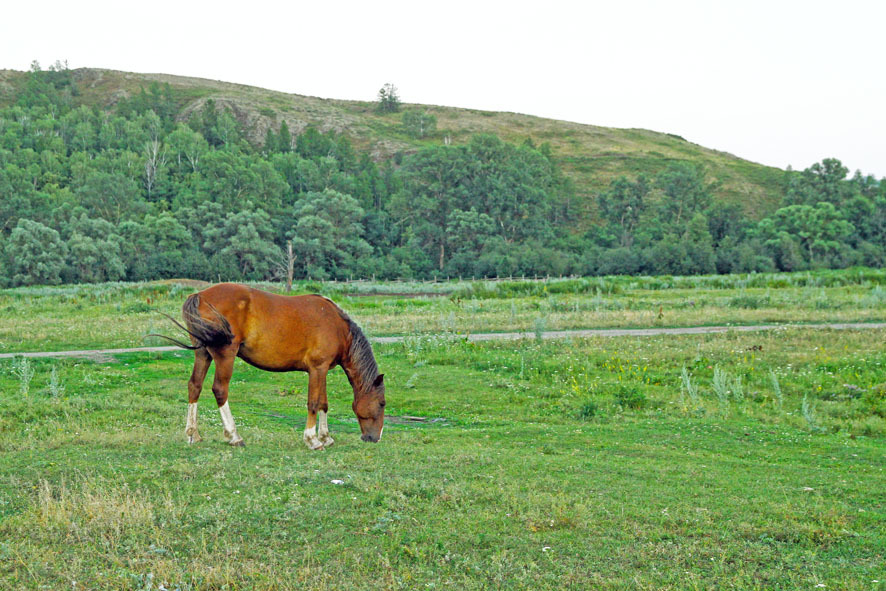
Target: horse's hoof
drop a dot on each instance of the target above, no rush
(327, 441)
(194, 439)
(238, 443)
(313, 444)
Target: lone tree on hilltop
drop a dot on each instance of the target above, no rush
(388, 99)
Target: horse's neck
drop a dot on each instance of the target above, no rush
(354, 376)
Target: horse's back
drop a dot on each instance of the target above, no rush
(279, 332)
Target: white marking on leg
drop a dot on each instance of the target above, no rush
(191, 427)
(228, 424)
(311, 439)
(323, 431)
(324, 426)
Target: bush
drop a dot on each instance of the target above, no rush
(748, 301)
(137, 307)
(874, 401)
(630, 397)
(619, 261)
(587, 410)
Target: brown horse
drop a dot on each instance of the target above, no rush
(280, 333)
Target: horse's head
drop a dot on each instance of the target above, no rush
(369, 407)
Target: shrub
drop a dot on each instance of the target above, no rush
(874, 400)
(748, 301)
(630, 397)
(587, 410)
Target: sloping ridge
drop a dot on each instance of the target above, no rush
(590, 155)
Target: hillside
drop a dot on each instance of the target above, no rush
(590, 155)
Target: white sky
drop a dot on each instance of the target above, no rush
(780, 83)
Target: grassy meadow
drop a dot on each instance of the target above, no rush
(731, 460)
(115, 315)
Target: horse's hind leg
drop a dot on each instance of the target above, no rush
(224, 369)
(202, 360)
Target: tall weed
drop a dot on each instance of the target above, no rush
(24, 371)
(721, 387)
(808, 409)
(776, 387)
(689, 388)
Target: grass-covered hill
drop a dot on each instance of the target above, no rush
(98, 167)
(591, 156)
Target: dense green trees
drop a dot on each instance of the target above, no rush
(36, 254)
(672, 225)
(501, 190)
(622, 205)
(327, 236)
(144, 191)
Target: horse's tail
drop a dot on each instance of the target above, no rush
(205, 333)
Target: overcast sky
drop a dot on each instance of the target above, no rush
(782, 83)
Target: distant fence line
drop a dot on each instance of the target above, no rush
(541, 278)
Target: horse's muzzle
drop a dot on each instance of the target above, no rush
(369, 438)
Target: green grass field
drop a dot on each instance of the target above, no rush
(120, 314)
(589, 463)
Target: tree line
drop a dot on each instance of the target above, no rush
(139, 192)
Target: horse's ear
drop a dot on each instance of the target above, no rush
(379, 380)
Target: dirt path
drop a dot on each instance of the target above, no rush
(103, 354)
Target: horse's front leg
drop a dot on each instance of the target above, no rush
(323, 429)
(322, 410)
(224, 369)
(316, 393)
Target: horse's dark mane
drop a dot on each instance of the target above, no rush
(360, 353)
